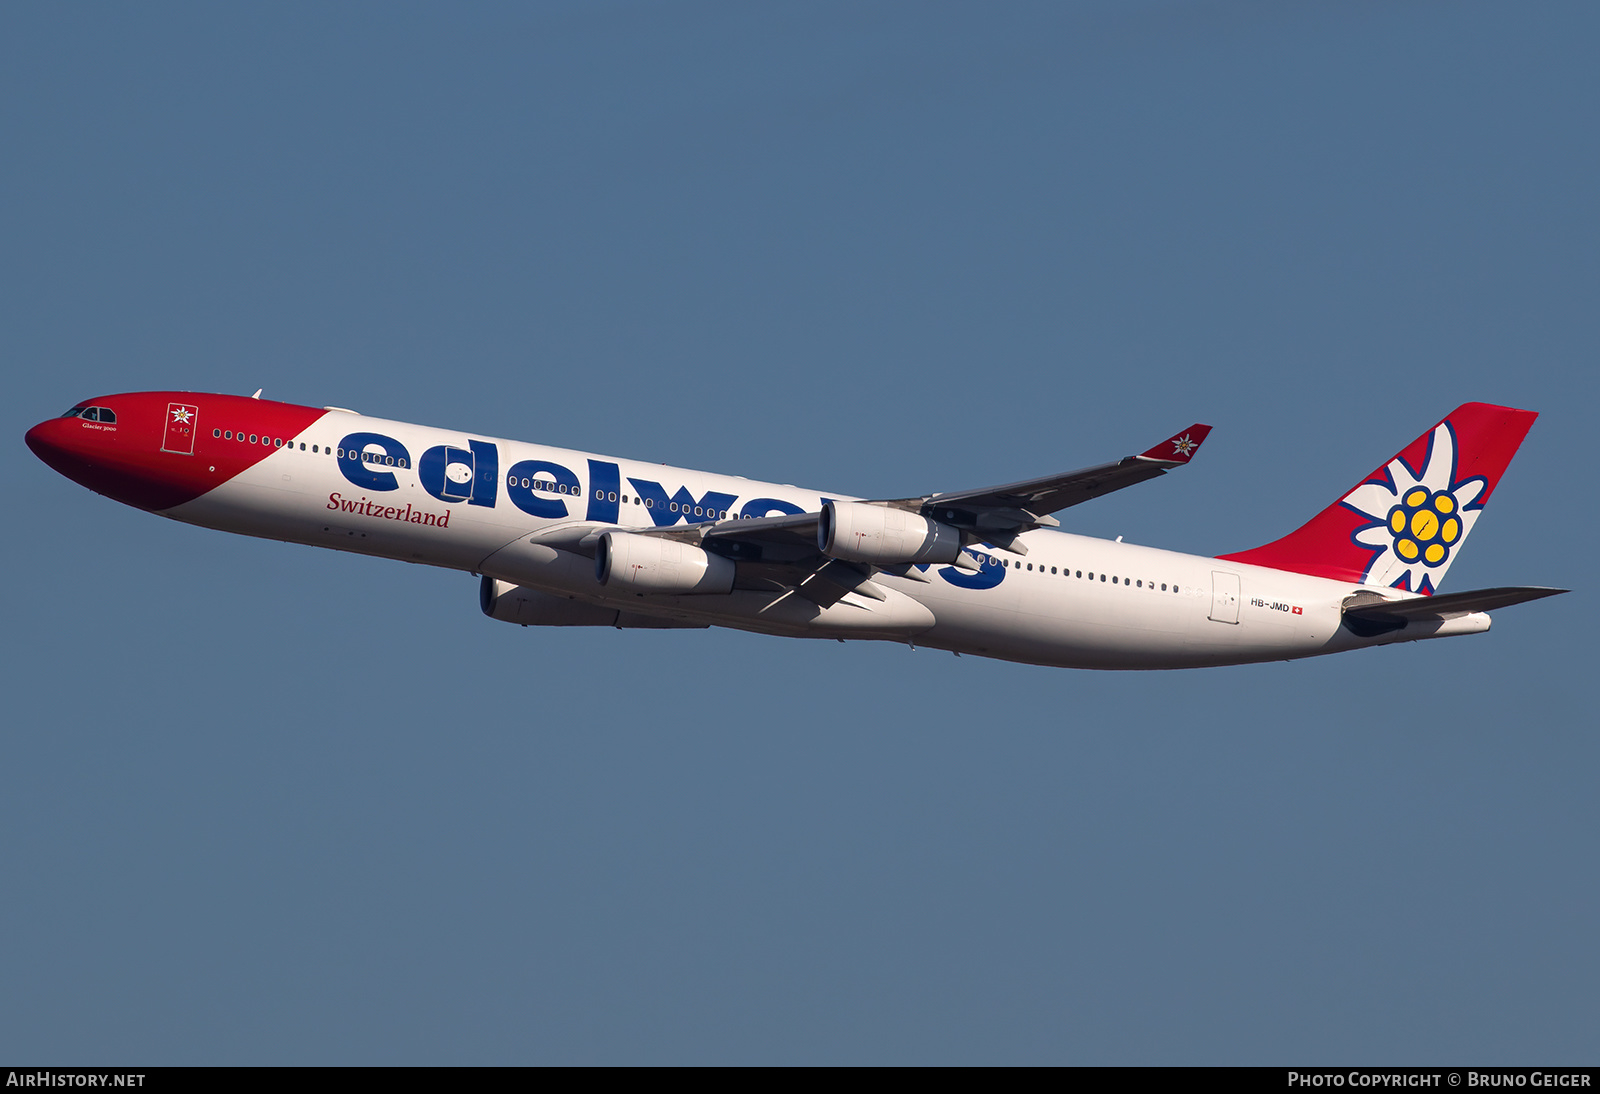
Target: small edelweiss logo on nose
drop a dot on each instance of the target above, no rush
(1425, 526)
(180, 414)
(1182, 446)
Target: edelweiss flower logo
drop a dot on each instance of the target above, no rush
(180, 414)
(1182, 446)
(1417, 518)
(1425, 526)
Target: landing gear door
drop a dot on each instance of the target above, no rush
(181, 421)
(1224, 597)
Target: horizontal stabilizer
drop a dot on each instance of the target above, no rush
(1369, 606)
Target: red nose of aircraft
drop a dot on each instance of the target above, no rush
(76, 447)
(52, 443)
(159, 449)
(113, 446)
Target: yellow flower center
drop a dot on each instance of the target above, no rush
(1424, 526)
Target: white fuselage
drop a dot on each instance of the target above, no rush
(1069, 601)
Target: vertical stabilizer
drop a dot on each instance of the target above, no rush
(1403, 524)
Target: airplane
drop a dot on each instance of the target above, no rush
(563, 538)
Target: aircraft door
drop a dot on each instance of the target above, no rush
(1224, 597)
(179, 436)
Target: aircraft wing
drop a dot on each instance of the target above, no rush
(1038, 497)
(783, 538)
(782, 553)
(994, 515)
(997, 514)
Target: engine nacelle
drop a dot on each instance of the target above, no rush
(651, 564)
(511, 603)
(519, 604)
(883, 535)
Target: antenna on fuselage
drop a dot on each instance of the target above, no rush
(257, 395)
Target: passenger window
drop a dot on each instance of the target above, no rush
(227, 434)
(649, 503)
(216, 432)
(1102, 578)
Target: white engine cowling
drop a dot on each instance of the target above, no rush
(511, 603)
(650, 564)
(517, 604)
(883, 535)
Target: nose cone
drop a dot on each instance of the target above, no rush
(114, 453)
(52, 441)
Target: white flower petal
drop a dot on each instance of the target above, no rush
(1373, 499)
(1441, 460)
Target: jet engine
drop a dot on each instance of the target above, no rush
(532, 608)
(624, 561)
(883, 535)
(519, 604)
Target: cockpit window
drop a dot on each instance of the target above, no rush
(92, 413)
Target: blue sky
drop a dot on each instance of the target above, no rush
(270, 804)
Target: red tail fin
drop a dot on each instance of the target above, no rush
(1403, 524)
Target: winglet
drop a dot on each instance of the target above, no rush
(1180, 447)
